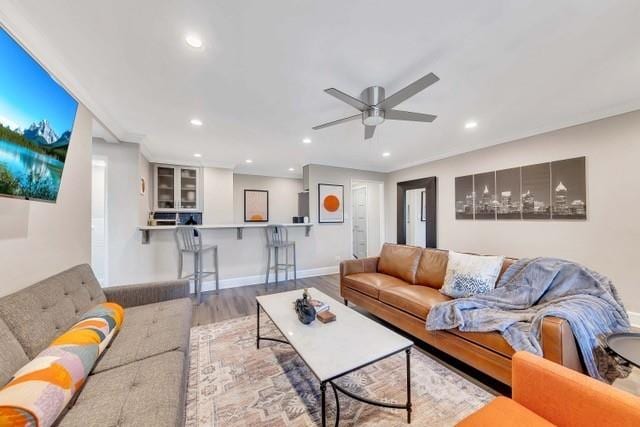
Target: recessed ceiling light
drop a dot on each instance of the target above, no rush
(470, 124)
(386, 154)
(196, 122)
(291, 169)
(197, 155)
(193, 41)
(248, 161)
(307, 141)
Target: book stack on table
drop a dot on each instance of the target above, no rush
(322, 311)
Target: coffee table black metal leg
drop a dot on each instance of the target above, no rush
(258, 325)
(323, 389)
(408, 385)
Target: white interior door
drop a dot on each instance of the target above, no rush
(99, 219)
(359, 201)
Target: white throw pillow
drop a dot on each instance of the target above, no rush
(469, 275)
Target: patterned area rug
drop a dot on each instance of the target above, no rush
(231, 383)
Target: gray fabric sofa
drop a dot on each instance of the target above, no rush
(140, 379)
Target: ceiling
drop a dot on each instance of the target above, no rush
(516, 67)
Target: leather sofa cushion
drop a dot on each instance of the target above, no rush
(413, 299)
(490, 340)
(432, 268)
(371, 283)
(400, 261)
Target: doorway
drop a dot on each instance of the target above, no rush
(416, 215)
(367, 218)
(99, 254)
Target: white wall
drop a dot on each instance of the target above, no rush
(283, 196)
(217, 196)
(40, 239)
(126, 210)
(334, 241)
(608, 241)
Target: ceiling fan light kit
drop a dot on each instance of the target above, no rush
(374, 107)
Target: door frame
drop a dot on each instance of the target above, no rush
(431, 195)
(380, 185)
(105, 160)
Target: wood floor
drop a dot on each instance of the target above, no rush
(238, 302)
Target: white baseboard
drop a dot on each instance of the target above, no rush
(235, 282)
(634, 319)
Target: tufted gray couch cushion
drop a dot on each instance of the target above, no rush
(38, 314)
(12, 356)
(150, 392)
(149, 330)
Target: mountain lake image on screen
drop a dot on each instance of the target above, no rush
(36, 121)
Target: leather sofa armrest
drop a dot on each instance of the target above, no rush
(364, 265)
(565, 397)
(147, 293)
(559, 345)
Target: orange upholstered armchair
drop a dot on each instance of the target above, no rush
(546, 394)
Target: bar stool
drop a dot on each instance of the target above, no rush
(278, 238)
(189, 240)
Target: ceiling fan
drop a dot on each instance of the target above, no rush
(375, 108)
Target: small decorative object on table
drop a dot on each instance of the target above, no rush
(320, 306)
(306, 312)
(326, 316)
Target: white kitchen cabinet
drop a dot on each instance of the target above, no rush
(177, 188)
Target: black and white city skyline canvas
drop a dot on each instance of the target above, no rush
(536, 198)
(464, 197)
(508, 192)
(484, 187)
(569, 189)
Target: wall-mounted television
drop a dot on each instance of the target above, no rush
(36, 121)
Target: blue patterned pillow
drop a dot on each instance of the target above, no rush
(469, 275)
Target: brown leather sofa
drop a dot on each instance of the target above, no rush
(402, 285)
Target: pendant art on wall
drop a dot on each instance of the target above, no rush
(256, 206)
(330, 203)
(552, 190)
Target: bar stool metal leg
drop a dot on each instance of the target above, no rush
(286, 263)
(266, 280)
(277, 266)
(195, 274)
(295, 266)
(180, 262)
(200, 275)
(215, 265)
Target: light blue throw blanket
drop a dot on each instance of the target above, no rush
(534, 288)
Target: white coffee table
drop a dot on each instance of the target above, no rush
(334, 349)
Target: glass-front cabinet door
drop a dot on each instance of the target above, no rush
(165, 188)
(188, 188)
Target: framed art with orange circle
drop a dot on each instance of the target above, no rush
(330, 203)
(256, 206)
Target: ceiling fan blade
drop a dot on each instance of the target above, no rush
(408, 115)
(337, 122)
(368, 131)
(406, 93)
(354, 102)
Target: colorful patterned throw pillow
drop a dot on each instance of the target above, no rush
(469, 275)
(39, 392)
